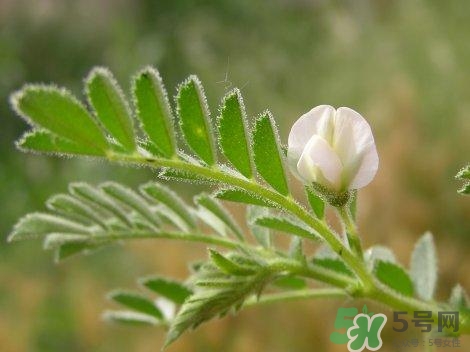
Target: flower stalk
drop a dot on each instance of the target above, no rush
(352, 235)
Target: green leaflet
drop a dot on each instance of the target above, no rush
(110, 105)
(69, 249)
(137, 302)
(99, 199)
(171, 200)
(56, 240)
(333, 264)
(39, 224)
(149, 148)
(316, 203)
(394, 277)
(267, 154)
(129, 317)
(75, 209)
(154, 111)
(193, 114)
(132, 200)
(375, 253)
(241, 196)
(66, 245)
(423, 267)
(58, 111)
(233, 138)
(284, 224)
(170, 289)
(43, 141)
(228, 266)
(212, 206)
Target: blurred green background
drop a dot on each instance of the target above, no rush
(403, 64)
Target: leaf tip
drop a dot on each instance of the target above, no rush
(98, 71)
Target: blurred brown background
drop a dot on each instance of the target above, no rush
(403, 64)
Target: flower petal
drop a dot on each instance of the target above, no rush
(303, 129)
(352, 134)
(367, 169)
(319, 161)
(354, 143)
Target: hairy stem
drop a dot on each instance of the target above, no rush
(296, 295)
(279, 264)
(351, 231)
(182, 236)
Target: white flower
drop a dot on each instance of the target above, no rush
(334, 148)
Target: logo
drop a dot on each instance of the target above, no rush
(362, 330)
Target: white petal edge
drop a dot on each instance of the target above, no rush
(352, 135)
(305, 127)
(367, 170)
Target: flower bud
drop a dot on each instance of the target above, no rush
(332, 149)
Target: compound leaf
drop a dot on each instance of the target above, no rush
(218, 295)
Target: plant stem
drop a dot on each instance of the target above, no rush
(297, 295)
(182, 236)
(351, 231)
(311, 271)
(279, 264)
